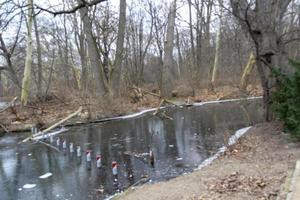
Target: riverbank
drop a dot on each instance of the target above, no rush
(256, 167)
(44, 114)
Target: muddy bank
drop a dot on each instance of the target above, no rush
(44, 114)
(254, 168)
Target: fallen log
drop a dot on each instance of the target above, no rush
(153, 94)
(54, 125)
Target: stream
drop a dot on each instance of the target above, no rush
(179, 146)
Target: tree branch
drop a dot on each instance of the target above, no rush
(83, 4)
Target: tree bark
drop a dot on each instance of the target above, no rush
(39, 58)
(168, 73)
(247, 72)
(28, 62)
(263, 22)
(101, 84)
(116, 71)
(217, 55)
(191, 33)
(10, 68)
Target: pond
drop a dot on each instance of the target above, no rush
(179, 144)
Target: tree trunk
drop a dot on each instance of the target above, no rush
(39, 59)
(247, 72)
(217, 55)
(263, 23)
(116, 71)
(191, 33)
(168, 72)
(101, 84)
(28, 61)
(10, 68)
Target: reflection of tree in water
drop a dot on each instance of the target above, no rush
(158, 138)
(185, 136)
(10, 188)
(43, 164)
(193, 132)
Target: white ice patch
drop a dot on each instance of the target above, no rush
(134, 114)
(232, 140)
(29, 186)
(227, 100)
(239, 133)
(47, 175)
(44, 136)
(194, 104)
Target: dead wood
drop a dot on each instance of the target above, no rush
(54, 125)
(153, 94)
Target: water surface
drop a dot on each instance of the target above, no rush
(179, 146)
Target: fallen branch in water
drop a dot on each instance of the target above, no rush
(9, 104)
(54, 125)
(158, 107)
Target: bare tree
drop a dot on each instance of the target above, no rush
(116, 71)
(39, 58)
(28, 62)
(262, 20)
(93, 52)
(169, 73)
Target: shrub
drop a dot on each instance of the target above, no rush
(286, 99)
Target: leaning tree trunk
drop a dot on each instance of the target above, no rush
(28, 61)
(247, 72)
(168, 72)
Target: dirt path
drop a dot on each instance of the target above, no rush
(254, 168)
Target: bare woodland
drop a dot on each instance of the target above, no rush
(102, 48)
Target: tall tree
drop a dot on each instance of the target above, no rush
(262, 20)
(116, 71)
(217, 53)
(39, 57)
(169, 72)
(93, 52)
(28, 61)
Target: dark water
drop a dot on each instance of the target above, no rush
(179, 146)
